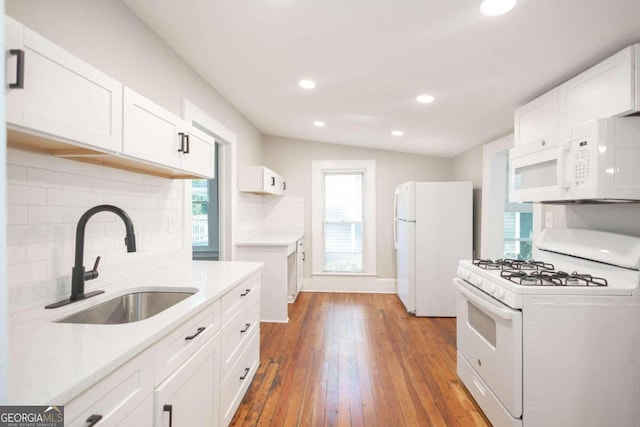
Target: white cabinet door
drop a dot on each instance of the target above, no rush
(537, 120)
(61, 96)
(260, 180)
(190, 396)
(198, 155)
(605, 90)
(151, 133)
(300, 264)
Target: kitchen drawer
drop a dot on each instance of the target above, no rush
(234, 387)
(236, 333)
(233, 301)
(116, 396)
(182, 343)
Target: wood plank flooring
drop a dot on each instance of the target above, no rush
(357, 360)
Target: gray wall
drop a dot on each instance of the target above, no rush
(467, 166)
(292, 159)
(107, 35)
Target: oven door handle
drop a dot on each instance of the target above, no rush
(492, 308)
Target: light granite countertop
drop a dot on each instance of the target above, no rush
(51, 363)
(269, 237)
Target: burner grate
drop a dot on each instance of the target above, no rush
(512, 264)
(552, 278)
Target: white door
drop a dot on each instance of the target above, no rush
(406, 263)
(489, 337)
(61, 95)
(405, 207)
(190, 396)
(150, 132)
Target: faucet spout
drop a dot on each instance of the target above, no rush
(78, 274)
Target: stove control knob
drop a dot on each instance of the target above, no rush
(477, 281)
(499, 293)
(491, 287)
(465, 274)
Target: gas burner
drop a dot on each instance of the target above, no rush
(551, 278)
(512, 264)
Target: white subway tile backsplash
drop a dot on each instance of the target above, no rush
(16, 174)
(25, 158)
(89, 199)
(17, 214)
(60, 164)
(17, 234)
(46, 197)
(45, 215)
(43, 251)
(44, 178)
(24, 273)
(59, 197)
(16, 254)
(75, 182)
(26, 195)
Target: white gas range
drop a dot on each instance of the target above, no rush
(554, 342)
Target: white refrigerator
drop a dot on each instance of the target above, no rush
(433, 230)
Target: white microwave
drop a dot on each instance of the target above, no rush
(597, 161)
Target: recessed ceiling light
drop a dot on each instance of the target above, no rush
(496, 7)
(397, 133)
(318, 123)
(425, 99)
(307, 84)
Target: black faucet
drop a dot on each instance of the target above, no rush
(78, 274)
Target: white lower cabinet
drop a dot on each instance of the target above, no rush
(238, 378)
(113, 400)
(195, 376)
(190, 396)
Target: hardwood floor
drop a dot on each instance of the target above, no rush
(357, 360)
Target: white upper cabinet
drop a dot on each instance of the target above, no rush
(538, 120)
(52, 92)
(153, 134)
(260, 180)
(610, 88)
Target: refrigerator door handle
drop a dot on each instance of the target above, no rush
(395, 219)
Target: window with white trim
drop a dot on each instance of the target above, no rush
(343, 228)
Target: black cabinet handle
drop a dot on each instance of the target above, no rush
(273, 181)
(181, 149)
(187, 138)
(246, 372)
(93, 420)
(245, 293)
(246, 328)
(190, 337)
(169, 409)
(19, 84)
(284, 185)
(304, 255)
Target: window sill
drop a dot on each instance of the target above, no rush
(344, 274)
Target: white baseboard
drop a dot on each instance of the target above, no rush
(370, 285)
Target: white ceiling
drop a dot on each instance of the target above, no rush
(371, 58)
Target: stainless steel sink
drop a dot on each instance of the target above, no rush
(128, 308)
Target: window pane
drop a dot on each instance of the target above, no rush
(200, 211)
(518, 229)
(343, 247)
(343, 196)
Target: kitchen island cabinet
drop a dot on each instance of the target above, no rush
(278, 252)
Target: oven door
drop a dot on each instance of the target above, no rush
(489, 336)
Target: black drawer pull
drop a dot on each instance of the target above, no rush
(246, 328)
(273, 181)
(181, 149)
(187, 138)
(304, 256)
(19, 84)
(93, 420)
(246, 372)
(245, 293)
(190, 337)
(169, 409)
